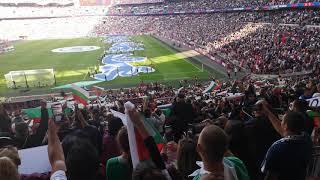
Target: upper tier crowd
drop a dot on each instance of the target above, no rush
(260, 130)
(261, 42)
(194, 5)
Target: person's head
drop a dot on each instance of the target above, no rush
(114, 125)
(123, 141)
(158, 112)
(8, 170)
(147, 113)
(143, 173)
(212, 144)
(21, 129)
(181, 97)
(82, 159)
(293, 123)
(12, 153)
(257, 109)
(299, 106)
(43, 103)
(307, 92)
(187, 156)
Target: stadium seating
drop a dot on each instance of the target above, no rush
(263, 122)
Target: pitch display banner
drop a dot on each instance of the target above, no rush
(94, 2)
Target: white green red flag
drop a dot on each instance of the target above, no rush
(80, 95)
(35, 113)
(138, 150)
(213, 86)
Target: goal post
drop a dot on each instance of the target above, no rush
(30, 78)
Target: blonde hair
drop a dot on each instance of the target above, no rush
(12, 153)
(8, 169)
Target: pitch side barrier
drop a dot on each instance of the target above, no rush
(291, 6)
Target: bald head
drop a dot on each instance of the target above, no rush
(212, 144)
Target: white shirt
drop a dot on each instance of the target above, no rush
(58, 175)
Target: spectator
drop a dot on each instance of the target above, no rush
(120, 167)
(8, 170)
(187, 157)
(301, 106)
(183, 112)
(295, 143)
(212, 146)
(110, 147)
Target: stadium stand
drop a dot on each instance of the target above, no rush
(264, 125)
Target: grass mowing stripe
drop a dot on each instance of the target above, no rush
(185, 58)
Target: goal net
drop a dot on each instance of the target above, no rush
(30, 78)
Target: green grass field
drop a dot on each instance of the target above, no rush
(170, 65)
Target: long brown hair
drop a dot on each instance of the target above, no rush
(8, 169)
(123, 143)
(187, 156)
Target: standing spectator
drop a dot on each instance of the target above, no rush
(110, 147)
(184, 115)
(212, 147)
(43, 127)
(5, 122)
(229, 73)
(235, 69)
(120, 167)
(187, 157)
(158, 114)
(295, 147)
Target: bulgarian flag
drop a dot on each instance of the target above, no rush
(166, 109)
(80, 95)
(35, 114)
(213, 86)
(98, 90)
(138, 150)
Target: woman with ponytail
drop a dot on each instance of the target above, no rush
(121, 167)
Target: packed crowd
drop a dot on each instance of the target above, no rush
(273, 35)
(192, 5)
(122, 2)
(265, 131)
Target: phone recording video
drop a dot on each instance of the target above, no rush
(58, 115)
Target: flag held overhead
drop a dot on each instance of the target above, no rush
(80, 95)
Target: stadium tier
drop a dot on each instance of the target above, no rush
(159, 90)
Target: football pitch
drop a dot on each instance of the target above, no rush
(169, 64)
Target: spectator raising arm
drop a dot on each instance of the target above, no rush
(276, 123)
(55, 153)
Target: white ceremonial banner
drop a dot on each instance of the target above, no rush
(314, 102)
(34, 160)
